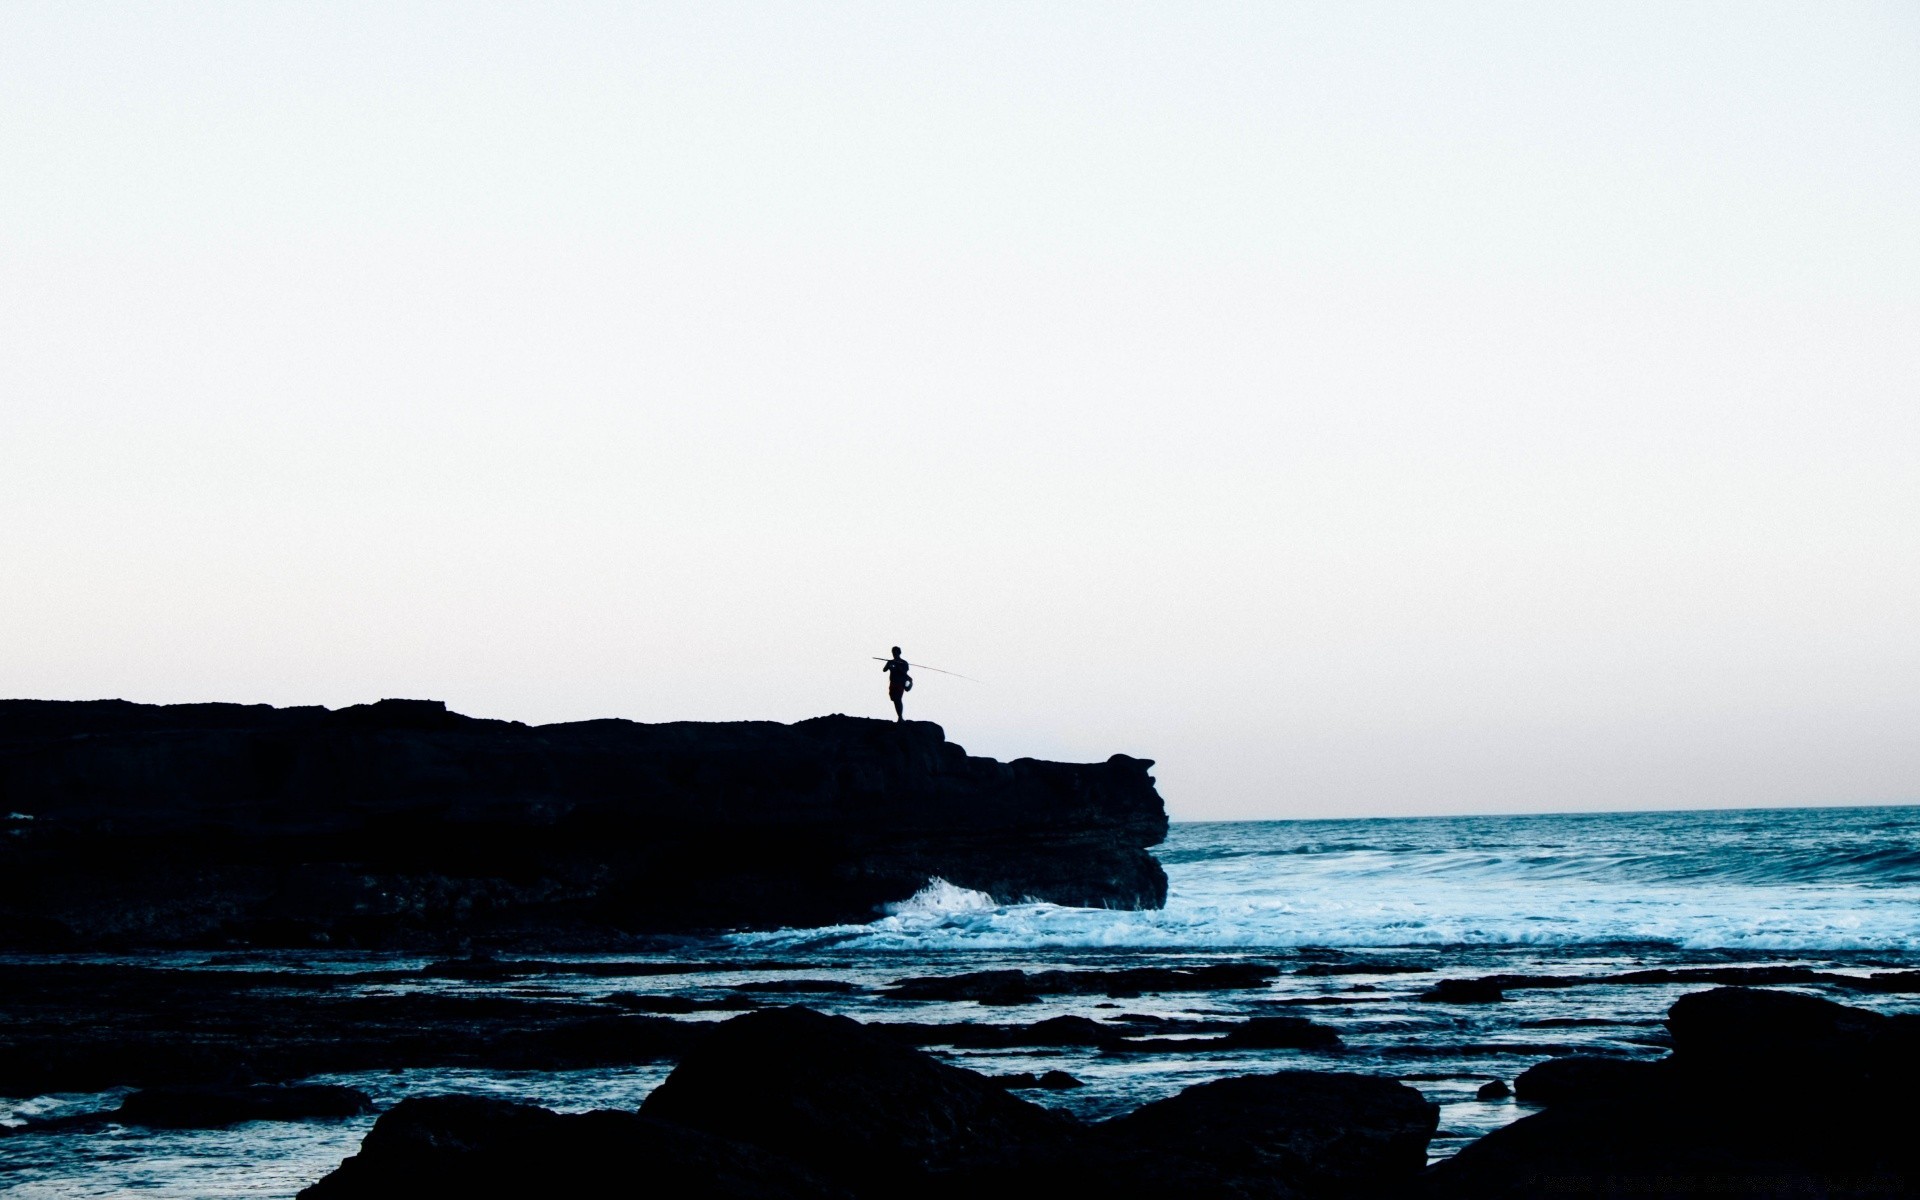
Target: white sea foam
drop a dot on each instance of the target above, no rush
(940, 899)
(1775, 882)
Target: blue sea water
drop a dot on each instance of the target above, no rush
(1759, 880)
(1583, 896)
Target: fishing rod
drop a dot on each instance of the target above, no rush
(935, 670)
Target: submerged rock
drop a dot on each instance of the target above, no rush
(403, 824)
(1020, 987)
(213, 1106)
(88, 1027)
(1051, 1081)
(1281, 1033)
(1464, 991)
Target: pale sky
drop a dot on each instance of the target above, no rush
(1359, 409)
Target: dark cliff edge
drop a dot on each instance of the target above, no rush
(401, 824)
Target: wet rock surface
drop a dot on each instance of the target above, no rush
(86, 1027)
(215, 1106)
(400, 824)
(1281, 1033)
(1024, 987)
(1051, 1081)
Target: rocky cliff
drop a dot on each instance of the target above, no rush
(403, 824)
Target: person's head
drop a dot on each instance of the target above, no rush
(896, 652)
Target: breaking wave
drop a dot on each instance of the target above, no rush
(1815, 880)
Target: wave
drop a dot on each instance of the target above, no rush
(943, 917)
(1693, 881)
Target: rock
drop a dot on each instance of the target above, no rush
(1004, 987)
(1586, 1079)
(1464, 991)
(1070, 1031)
(87, 1027)
(1308, 1133)
(1052, 1081)
(1055, 1031)
(798, 987)
(846, 1101)
(1363, 968)
(479, 1148)
(595, 1042)
(660, 1004)
(212, 1106)
(1496, 1089)
(984, 987)
(1769, 1093)
(400, 824)
(1737, 1037)
(1281, 1033)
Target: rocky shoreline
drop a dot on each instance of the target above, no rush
(402, 825)
(533, 915)
(1763, 1091)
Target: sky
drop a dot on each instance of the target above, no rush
(1359, 409)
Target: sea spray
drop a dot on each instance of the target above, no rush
(1826, 879)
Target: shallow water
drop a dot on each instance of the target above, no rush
(1586, 895)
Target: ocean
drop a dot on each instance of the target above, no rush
(1612, 915)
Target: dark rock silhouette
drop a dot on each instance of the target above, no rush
(1582, 1077)
(847, 1101)
(212, 1106)
(1022, 987)
(1051, 1081)
(1280, 1033)
(86, 1027)
(215, 1106)
(400, 823)
(89, 1026)
(1464, 991)
(1765, 1093)
(479, 1147)
(1308, 1133)
(787, 1098)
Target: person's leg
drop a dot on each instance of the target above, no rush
(899, 709)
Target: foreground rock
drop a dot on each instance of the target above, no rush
(847, 1101)
(476, 1147)
(402, 824)
(1765, 1093)
(781, 1101)
(1308, 1133)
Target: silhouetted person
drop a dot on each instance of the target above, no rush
(899, 683)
